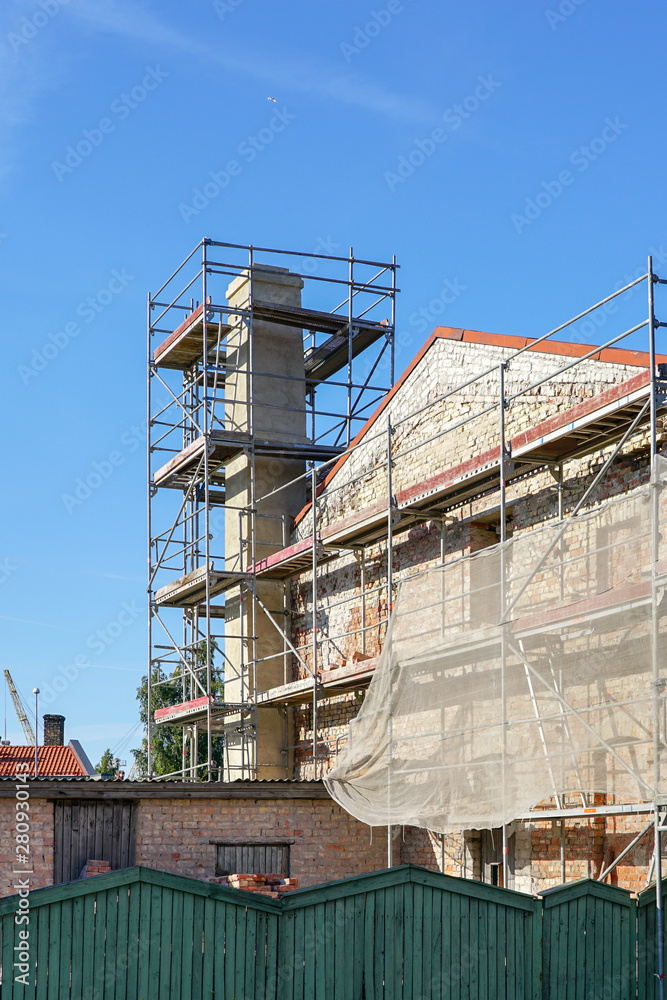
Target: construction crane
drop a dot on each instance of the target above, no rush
(20, 710)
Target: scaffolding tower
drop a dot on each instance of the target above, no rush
(252, 389)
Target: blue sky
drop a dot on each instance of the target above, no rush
(560, 100)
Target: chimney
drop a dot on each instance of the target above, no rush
(54, 730)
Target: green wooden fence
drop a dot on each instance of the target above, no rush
(589, 942)
(402, 934)
(647, 941)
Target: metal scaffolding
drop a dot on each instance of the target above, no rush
(203, 407)
(184, 421)
(603, 424)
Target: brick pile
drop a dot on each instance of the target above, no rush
(264, 885)
(95, 867)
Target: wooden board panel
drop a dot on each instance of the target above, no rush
(404, 934)
(104, 830)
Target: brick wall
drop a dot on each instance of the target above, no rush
(175, 835)
(326, 843)
(362, 482)
(41, 844)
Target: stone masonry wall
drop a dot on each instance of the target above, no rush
(361, 482)
(361, 479)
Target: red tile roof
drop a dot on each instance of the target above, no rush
(51, 761)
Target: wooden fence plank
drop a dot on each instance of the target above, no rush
(369, 946)
(134, 940)
(219, 951)
(197, 942)
(8, 952)
(186, 943)
(310, 952)
(260, 956)
(176, 947)
(120, 959)
(241, 925)
(453, 972)
(111, 944)
(230, 950)
(164, 919)
(446, 946)
(272, 980)
(250, 943)
(286, 957)
(53, 985)
(379, 956)
(209, 944)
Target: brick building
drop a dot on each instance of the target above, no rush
(183, 827)
(352, 592)
(483, 438)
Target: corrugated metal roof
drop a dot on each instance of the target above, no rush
(52, 762)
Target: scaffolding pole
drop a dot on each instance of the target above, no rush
(657, 683)
(203, 349)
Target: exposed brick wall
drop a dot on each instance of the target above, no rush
(362, 481)
(459, 852)
(174, 835)
(41, 844)
(326, 843)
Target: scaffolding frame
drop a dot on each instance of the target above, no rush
(642, 410)
(612, 428)
(193, 421)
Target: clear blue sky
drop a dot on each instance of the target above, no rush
(160, 95)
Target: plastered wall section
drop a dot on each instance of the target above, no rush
(325, 842)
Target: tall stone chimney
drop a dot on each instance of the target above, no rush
(54, 730)
(279, 414)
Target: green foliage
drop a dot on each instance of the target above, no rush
(167, 741)
(108, 764)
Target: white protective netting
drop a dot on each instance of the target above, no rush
(469, 723)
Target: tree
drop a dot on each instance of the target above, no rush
(107, 765)
(167, 741)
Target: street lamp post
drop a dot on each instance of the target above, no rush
(35, 691)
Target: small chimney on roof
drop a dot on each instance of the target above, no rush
(54, 730)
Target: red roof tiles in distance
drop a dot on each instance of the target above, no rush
(51, 762)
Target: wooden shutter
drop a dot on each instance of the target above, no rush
(101, 830)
